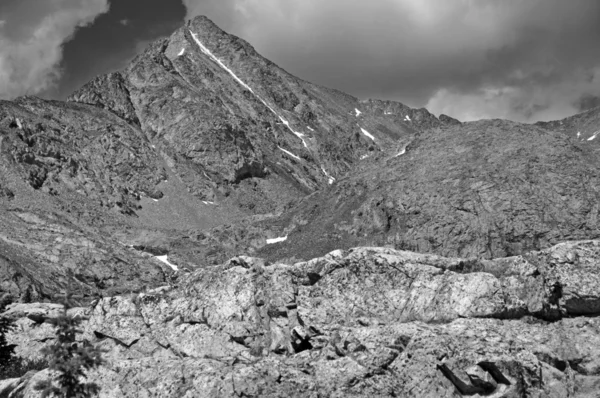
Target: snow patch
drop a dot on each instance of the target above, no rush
(330, 179)
(301, 136)
(206, 202)
(593, 137)
(276, 240)
(308, 127)
(364, 157)
(387, 113)
(181, 52)
(165, 260)
(156, 200)
(297, 134)
(19, 125)
(365, 132)
(357, 112)
(289, 153)
(407, 118)
(578, 134)
(402, 152)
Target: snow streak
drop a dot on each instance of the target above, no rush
(165, 260)
(276, 240)
(289, 153)
(402, 152)
(206, 51)
(181, 52)
(365, 132)
(330, 179)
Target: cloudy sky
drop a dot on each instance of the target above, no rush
(524, 60)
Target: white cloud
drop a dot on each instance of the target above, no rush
(528, 103)
(451, 54)
(31, 41)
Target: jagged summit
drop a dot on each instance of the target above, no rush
(207, 72)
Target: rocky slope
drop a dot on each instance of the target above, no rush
(185, 152)
(364, 322)
(153, 192)
(483, 189)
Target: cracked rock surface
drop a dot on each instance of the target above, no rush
(361, 322)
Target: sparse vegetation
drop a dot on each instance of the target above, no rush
(19, 367)
(70, 359)
(12, 366)
(7, 351)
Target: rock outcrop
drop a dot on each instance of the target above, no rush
(362, 322)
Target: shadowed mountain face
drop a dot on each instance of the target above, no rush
(147, 192)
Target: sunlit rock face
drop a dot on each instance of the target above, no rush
(362, 322)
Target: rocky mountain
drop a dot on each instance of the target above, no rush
(482, 189)
(185, 152)
(242, 232)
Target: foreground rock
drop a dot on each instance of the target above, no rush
(363, 322)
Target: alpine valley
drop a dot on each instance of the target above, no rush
(231, 230)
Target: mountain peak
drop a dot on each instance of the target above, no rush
(204, 24)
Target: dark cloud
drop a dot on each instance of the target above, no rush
(114, 39)
(524, 60)
(52, 47)
(587, 101)
(32, 33)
